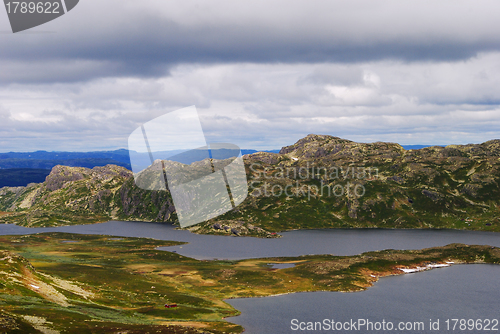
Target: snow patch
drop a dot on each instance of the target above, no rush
(427, 267)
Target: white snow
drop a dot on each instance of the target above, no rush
(438, 265)
(411, 270)
(36, 287)
(427, 267)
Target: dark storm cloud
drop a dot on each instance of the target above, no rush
(146, 38)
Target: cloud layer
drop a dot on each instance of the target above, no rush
(145, 38)
(261, 74)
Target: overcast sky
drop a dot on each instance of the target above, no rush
(262, 74)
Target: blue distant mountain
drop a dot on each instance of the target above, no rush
(418, 147)
(120, 155)
(20, 177)
(254, 151)
(22, 168)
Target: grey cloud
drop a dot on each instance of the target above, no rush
(67, 70)
(145, 38)
(265, 105)
(338, 75)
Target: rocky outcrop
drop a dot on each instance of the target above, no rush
(333, 182)
(320, 181)
(72, 195)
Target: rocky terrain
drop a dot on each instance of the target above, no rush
(73, 195)
(318, 182)
(325, 181)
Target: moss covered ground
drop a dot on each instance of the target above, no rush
(67, 283)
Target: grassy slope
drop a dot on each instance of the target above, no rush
(93, 284)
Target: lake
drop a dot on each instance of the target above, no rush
(456, 292)
(460, 291)
(293, 243)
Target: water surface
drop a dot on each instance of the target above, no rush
(460, 291)
(293, 243)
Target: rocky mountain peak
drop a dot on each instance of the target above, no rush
(60, 175)
(313, 141)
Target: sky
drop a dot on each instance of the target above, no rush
(261, 74)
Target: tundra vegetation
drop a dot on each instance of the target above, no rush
(319, 182)
(68, 283)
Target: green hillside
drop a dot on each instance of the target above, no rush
(71, 283)
(319, 182)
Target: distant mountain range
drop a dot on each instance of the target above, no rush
(22, 168)
(121, 155)
(41, 160)
(418, 147)
(15, 177)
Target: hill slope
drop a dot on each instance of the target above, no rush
(73, 195)
(319, 182)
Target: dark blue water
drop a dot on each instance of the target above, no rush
(294, 243)
(457, 292)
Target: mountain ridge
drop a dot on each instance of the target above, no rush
(435, 187)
